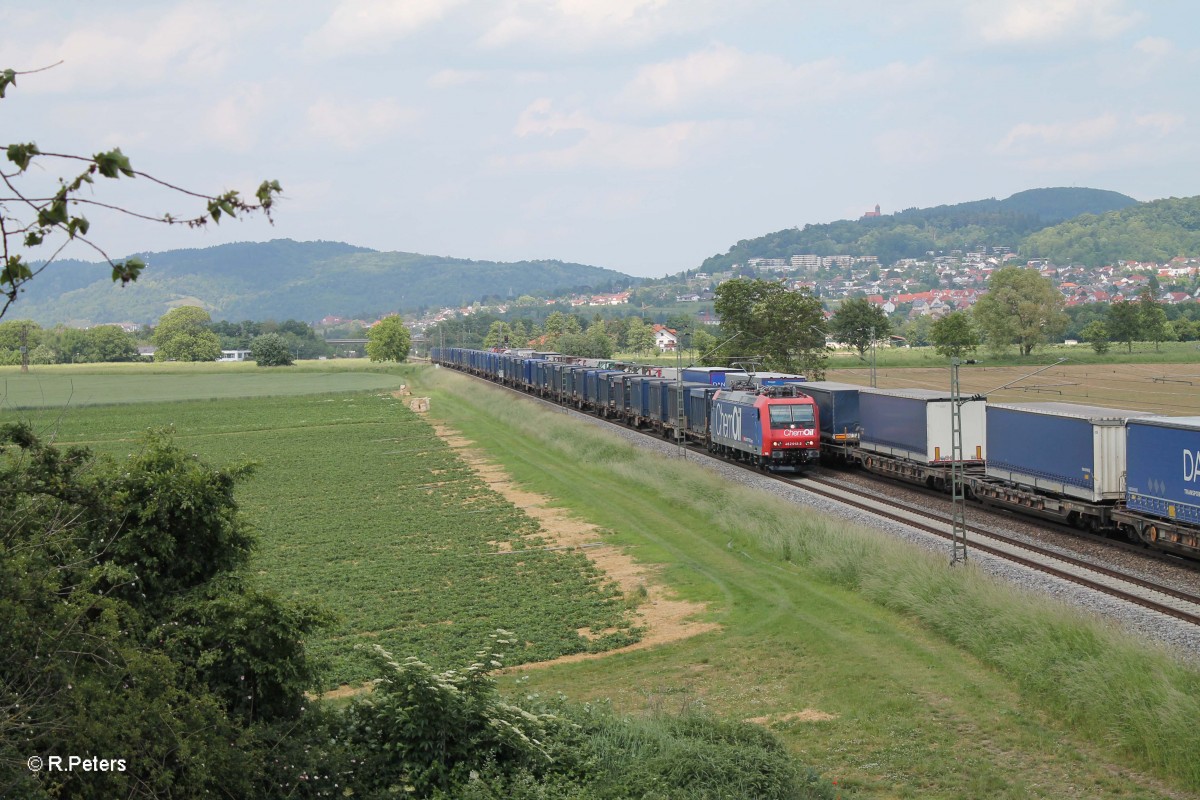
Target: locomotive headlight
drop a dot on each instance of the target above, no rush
(776, 444)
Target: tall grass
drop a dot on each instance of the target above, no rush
(1111, 687)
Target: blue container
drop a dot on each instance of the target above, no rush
(595, 382)
(541, 377)
(837, 409)
(713, 376)
(1067, 449)
(734, 421)
(659, 399)
(699, 405)
(677, 401)
(776, 379)
(640, 404)
(572, 381)
(916, 425)
(620, 392)
(528, 371)
(1163, 458)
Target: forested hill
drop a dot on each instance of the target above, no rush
(284, 279)
(1155, 231)
(914, 232)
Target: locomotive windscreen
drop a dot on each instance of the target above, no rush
(800, 416)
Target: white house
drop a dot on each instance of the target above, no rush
(665, 338)
(234, 355)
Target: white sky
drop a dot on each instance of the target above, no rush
(639, 135)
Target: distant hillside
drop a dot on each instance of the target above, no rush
(284, 279)
(913, 232)
(1154, 231)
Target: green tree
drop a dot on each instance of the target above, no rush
(765, 319)
(617, 328)
(917, 330)
(271, 350)
(1124, 323)
(54, 221)
(953, 336)
(12, 332)
(1153, 319)
(703, 342)
(859, 323)
(43, 354)
(109, 343)
(1095, 333)
(500, 334)
(600, 343)
(129, 627)
(70, 344)
(1022, 308)
(182, 334)
(520, 334)
(639, 337)
(388, 340)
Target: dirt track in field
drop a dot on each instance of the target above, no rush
(663, 618)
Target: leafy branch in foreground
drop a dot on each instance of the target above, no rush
(54, 219)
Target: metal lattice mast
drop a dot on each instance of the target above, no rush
(957, 486)
(681, 406)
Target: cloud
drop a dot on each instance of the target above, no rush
(595, 143)
(1162, 123)
(190, 44)
(1155, 47)
(447, 78)
(354, 124)
(574, 24)
(234, 120)
(912, 146)
(356, 25)
(722, 78)
(1066, 134)
(1100, 143)
(1038, 22)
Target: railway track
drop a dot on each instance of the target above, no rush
(1115, 583)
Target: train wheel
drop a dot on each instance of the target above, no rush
(1151, 534)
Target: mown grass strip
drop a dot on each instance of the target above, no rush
(943, 682)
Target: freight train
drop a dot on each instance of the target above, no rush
(1117, 473)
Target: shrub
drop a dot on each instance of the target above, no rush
(270, 350)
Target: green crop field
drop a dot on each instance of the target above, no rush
(360, 506)
(57, 387)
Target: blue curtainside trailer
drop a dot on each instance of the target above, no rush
(1062, 448)
(1163, 459)
(916, 425)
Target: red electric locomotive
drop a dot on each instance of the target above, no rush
(771, 426)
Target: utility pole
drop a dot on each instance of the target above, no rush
(680, 403)
(874, 383)
(24, 348)
(958, 496)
